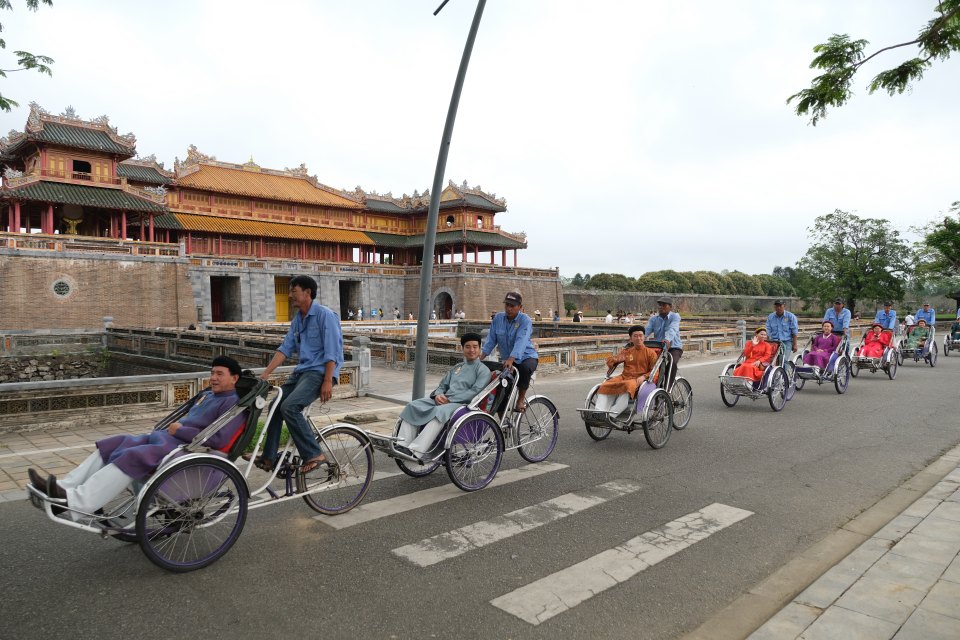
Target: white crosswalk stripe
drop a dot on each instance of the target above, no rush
(541, 600)
(400, 504)
(454, 543)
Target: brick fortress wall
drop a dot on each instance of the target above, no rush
(66, 292)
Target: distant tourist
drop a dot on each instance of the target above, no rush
(609, 317)
(396, 313)
(410, 316)
(577, 316)
(433, 314)
(537, 315)
(556, 316)
(359, 313)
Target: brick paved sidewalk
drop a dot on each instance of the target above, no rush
(902, 583)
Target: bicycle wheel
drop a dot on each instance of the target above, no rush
(932, 356)
(682, 397)
(900, 356)
(597, 433)
(777, 393)
(892, 367)
(347, 477)
(728, 397)
(475, 452)
(842, 377)
(798, 382)
(658, 423)
(791, 371)
(191, 514)
(539, 428)
(854, 368)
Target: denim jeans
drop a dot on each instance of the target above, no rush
(299, 391)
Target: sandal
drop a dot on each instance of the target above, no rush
(313, 463)
(264, 464)
(520, 408)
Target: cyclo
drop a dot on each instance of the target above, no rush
(925, 350)
(837, 369)
(472, 442)
(191, 511)
(951, 339)
(777, 382)
(656, 409)
(887, 362)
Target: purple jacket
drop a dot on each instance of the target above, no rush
(138, 456)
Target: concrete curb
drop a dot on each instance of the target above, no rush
(761, 602)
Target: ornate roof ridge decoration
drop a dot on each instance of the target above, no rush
(38, 116)
(195, 159)
(464, 189)
(150, 162)
(418, 200)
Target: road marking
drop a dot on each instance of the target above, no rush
(480, 534)
(541, 600)
(393, 506)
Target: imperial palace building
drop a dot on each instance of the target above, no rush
(89, 230)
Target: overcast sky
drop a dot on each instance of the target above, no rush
(626, 136)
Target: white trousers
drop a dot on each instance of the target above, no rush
(93, 484)
(611, 403)
(419, 443)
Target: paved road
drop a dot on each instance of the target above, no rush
(738, 494)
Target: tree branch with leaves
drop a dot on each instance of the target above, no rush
(26, 61)
(841, 58)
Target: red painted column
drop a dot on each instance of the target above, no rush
(123, 225)
(151, 228)
(189, 244)
(260, 253)
(113, 225)
(514, 257)
(16, 216)
(141, 227)
(476, 253)
(503, 257)
(219, 244)
(492, 254)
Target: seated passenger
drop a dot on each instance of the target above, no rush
(917, 337)
(638, 361)
(757, 356)
(427, 416)
(822, 347)
(121, 460)
(955, 330)
(876, 341)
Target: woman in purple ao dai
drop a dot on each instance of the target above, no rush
(823, 345)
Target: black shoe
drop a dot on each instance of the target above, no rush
(404, 450)
(56, 491)
(37, 480)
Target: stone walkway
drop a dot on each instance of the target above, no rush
(902, 583)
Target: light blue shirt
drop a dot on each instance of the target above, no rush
(316, 338)
(782, 328)
(840, 322)
(511, 337)
(664, 329)
(930, 316)
(887, 320)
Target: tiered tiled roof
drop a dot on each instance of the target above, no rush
(470, 237)
(453, 196)
(69, 131)
(146, 170)
(292, 185)
(104, 198)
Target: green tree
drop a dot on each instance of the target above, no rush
(744, 284)
(612, 282)
(25, 59)
(856, 258)
(706, 282)
(940, 248)
(840, 58)
(577, 281)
